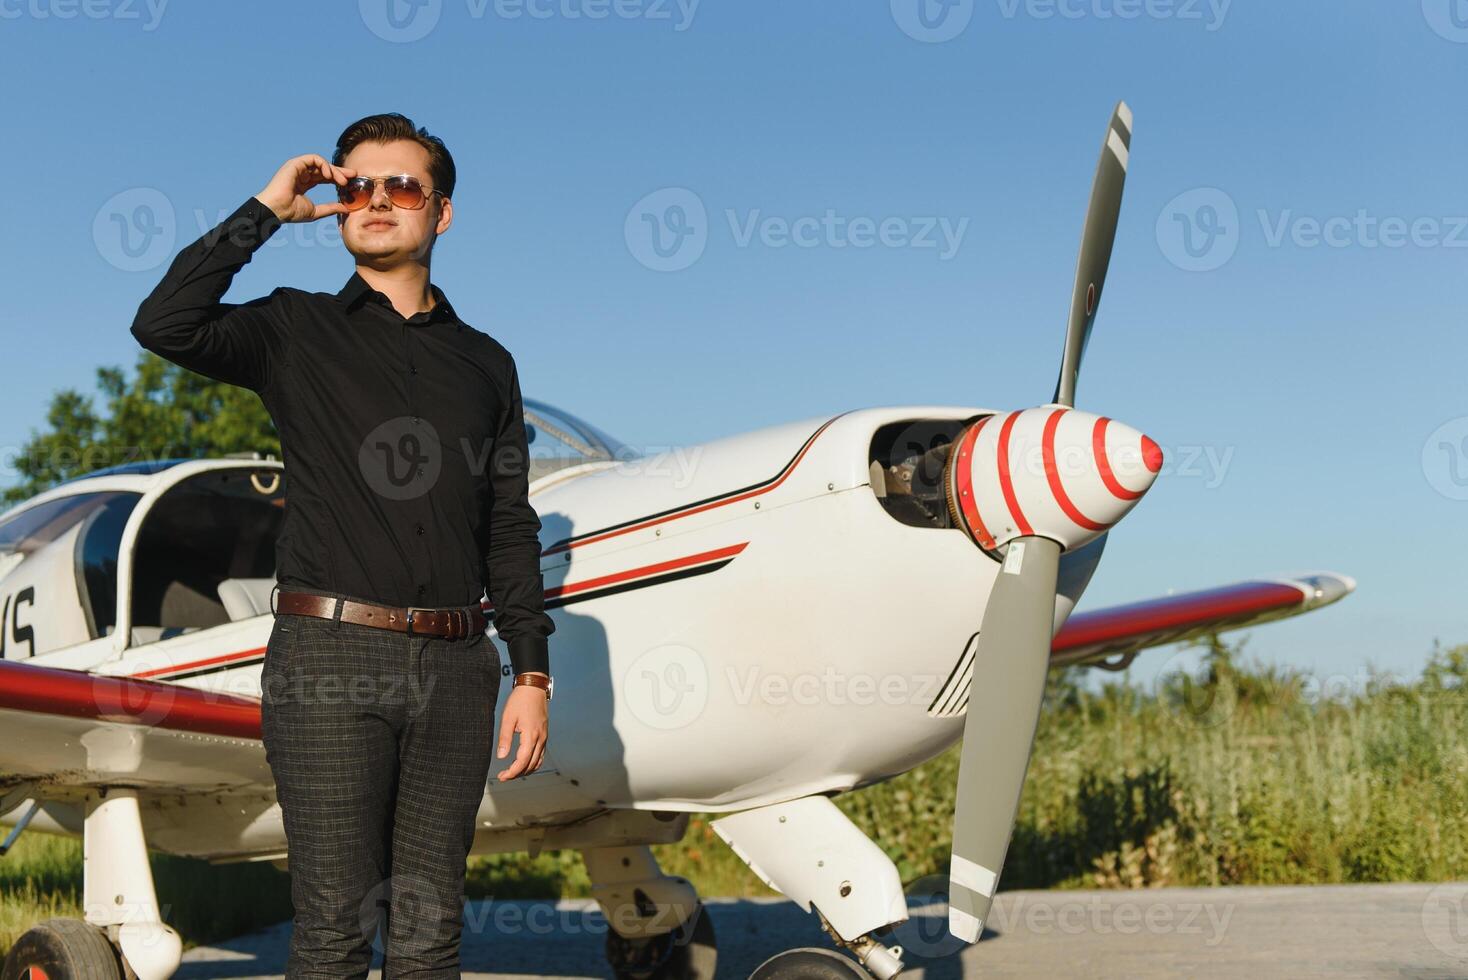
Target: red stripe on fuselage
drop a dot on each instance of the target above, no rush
(641, 571)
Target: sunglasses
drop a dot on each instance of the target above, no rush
(403, 190)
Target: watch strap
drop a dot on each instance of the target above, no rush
(533, 680)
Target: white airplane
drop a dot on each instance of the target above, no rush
(750, 626)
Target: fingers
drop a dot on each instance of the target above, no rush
(522, 759)
(538, 756)
(330, 207)
(313, 169)
(508, 724)
(532, 743)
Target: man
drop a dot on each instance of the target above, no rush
(405, 448)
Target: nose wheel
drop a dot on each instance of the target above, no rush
(62, 949)
(686, 953)
(809, 964)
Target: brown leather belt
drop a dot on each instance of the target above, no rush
(452, 622)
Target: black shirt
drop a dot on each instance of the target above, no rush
(403, 439)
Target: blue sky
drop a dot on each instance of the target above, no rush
(1284, 310)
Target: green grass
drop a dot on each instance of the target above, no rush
(1240, 775)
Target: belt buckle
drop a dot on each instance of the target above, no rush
(411, 611)
(458, 621)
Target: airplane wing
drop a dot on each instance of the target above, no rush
(70, 729)
(1112, 637)
(63, 729)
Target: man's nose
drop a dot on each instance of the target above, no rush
(380, 200)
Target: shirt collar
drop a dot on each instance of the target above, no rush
(357, 289)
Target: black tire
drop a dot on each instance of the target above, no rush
(810, 964)
(689, 952)
(62, 949)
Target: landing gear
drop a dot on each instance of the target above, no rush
(809, 964)
(62, 949)
(687, 953)
(658, 929)
(124, 934)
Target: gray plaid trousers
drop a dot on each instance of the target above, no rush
(380, 745)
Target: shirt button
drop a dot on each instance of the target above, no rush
(420, 529)
(412, 369)
(420, 590)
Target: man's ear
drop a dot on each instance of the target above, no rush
(445, 216)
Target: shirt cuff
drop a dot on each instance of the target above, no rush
(530, 653)
(251, 224)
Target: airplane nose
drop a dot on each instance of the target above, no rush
(1051, 472)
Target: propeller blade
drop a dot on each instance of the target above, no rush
(1005, 693)
(1097, 238)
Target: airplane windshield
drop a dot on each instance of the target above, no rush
(70, 549)
(559, 439)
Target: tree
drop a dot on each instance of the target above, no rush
(165, 412)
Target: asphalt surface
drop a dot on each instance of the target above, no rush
(1403, 931)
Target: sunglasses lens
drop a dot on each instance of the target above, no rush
(405, 192)
(355, 193)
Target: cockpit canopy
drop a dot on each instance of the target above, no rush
(559, 439)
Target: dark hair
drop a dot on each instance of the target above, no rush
(385, 127)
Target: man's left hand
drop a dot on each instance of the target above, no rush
(527, 712)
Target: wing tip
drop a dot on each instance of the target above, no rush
(1324, 588)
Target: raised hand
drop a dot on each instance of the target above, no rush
(286, 192)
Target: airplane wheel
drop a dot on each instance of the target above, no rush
(809, 964)
(62, 949)
(687, 953)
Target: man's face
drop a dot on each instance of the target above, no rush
(383, 236)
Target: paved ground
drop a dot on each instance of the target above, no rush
(1404, 931)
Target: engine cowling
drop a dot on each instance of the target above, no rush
(1051, 472)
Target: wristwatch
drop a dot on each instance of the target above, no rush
(546, 684)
